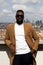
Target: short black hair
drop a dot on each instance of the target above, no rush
(20, 11)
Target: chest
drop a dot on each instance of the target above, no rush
(19, 30)
(23, 30)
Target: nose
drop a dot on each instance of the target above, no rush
(19, 17)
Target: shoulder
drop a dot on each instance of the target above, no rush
(10, 25)
(28, 24)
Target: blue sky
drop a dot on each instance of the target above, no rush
(33, 9)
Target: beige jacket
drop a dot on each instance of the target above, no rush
(30, 35)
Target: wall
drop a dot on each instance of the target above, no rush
(4, 54)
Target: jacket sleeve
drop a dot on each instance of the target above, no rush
(7, 38)
(35, 39)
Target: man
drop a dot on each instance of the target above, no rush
(22, 41)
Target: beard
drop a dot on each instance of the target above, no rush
(19, 22)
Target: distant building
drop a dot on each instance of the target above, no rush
(38, 29)
(3, 30)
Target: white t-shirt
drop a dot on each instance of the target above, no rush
(21, 45)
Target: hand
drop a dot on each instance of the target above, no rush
(12, 48)
(33, 51)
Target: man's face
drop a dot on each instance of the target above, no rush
(19, 17)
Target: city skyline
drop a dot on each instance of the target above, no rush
(33, 10)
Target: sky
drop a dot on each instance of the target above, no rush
(33, 10)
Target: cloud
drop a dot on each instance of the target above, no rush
(33, 9)
(23, 7)
(25, 1)
(3, 3)
(41, 10)
(6, 11)
(20, 1)
(35, 1)
(1, 14)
